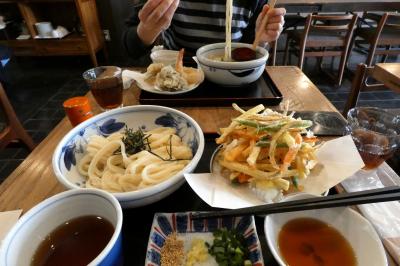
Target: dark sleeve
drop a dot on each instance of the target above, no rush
(249, 32)
(130, 40)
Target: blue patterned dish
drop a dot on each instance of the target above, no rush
(71, 148)
(181, 223)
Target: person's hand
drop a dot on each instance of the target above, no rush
(274, 24)
(155, 16)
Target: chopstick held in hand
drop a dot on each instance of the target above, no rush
(339, 200)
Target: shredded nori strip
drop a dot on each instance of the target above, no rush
(137, 141)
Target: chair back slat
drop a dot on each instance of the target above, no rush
(340, 23)
(329, 27)
(332, 17)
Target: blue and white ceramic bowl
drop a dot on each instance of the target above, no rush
(188, 229)
(232, 74)
(21, 242)
(71, 148)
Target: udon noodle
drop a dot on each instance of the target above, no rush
(107, 165)
(228, 30)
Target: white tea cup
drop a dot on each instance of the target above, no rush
(44, 29)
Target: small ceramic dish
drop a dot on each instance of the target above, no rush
(149, 87)
(167, 57)
(188, 229)
(360, 234)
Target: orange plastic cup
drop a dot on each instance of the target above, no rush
(78, 109)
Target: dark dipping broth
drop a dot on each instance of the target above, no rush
(75, 242)
(309, 242)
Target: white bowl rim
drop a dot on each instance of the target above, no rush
(70, 193)
(142, 193)
(303, 195)
(164, 55)
(230, 65)
(164, 51)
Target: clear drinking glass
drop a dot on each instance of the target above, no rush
(105, 83)
(375, 133)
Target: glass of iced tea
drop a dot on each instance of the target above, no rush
(105, 83)
(375, 133)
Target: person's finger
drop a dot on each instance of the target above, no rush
(159, 11)
(262, 14)
(277, 12)
(264, 10)
(272, 34)
(147, 9)
(274, 26)
(166, 19)
(276, 19)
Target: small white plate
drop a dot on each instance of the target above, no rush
(146, 86)
(38, 37)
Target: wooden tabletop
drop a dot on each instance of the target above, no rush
(388, 74)
(294, 6)
(34, 180)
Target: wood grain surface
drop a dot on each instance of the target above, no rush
(388, 74)
(33, 180)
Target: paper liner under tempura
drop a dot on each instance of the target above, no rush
(337, 160)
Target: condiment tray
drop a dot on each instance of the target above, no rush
(187, 229)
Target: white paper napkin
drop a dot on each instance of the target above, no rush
(384, 216)
(128, 77)
(7, 221)
(338, 159)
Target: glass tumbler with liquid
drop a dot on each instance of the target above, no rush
(105, 83)
(375, 133)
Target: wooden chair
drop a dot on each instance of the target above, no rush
(13, 130)
(386, 34)
(361, 83)
(292, 21)
(323, 35)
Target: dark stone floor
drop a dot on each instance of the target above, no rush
(40, 85)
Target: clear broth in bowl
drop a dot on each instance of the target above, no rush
(311, 242)
(75, 242)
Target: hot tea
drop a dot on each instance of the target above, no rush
(75, 242)
(108, 96)
(105, 83)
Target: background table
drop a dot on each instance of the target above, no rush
(34, 180)
(388, 74)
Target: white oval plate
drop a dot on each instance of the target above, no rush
(146, 86)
